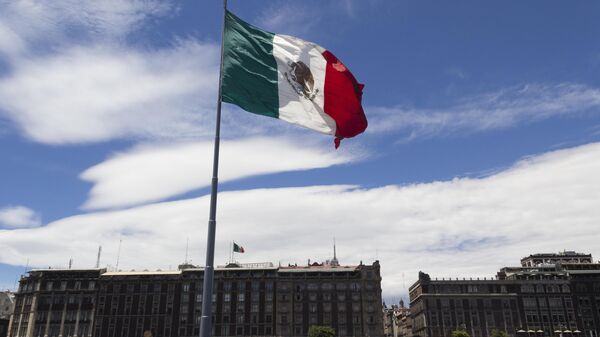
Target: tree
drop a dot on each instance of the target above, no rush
(498, 333)
(321, 331)
(460, 333)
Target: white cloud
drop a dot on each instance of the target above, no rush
(90, 94)
(462, 227)
(19, 217)
(10, 43)
(288, 18)
(506, 108)
(50, 23)
(155, 172)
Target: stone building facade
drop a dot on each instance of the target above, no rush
(248, 300)
(530, 301)
(7, 304)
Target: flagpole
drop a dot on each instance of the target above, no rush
(207, 289)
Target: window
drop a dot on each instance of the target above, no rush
(241, 297)
(527, 288)
(341, 297)
(226, 297)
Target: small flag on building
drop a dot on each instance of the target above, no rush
(237, 248)
(290, 79)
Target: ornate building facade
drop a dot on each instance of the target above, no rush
(537, 299)
(248, 300)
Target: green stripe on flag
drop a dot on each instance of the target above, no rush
(249, 68)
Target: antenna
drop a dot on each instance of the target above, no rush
(118, 255)
(98, 259)
(187, 243)
(334, 261)
(334, 252)
(70, 262)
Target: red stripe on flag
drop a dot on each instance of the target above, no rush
(343, 96)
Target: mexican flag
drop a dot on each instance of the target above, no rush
(237, 248)
(291, 79)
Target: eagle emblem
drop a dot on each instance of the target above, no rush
(301, 79)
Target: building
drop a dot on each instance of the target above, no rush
(550, 293)
(248, 300)
(4, 322)
(397, 321)
(7, 304)
(55, 303)
(535, 260)
(404, 321)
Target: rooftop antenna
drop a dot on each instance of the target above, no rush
(98, 259)
(187, 243)
(334, 261)
(70, 262)
(118, 255)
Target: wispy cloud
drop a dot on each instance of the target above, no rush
(155, 172)
(19, 217)
(502, 109)
(29, 24)
(481, 224)
(90, 94)
(288, 18)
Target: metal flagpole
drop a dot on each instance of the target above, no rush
(207, 289)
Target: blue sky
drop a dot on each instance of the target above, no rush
(482, 144)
